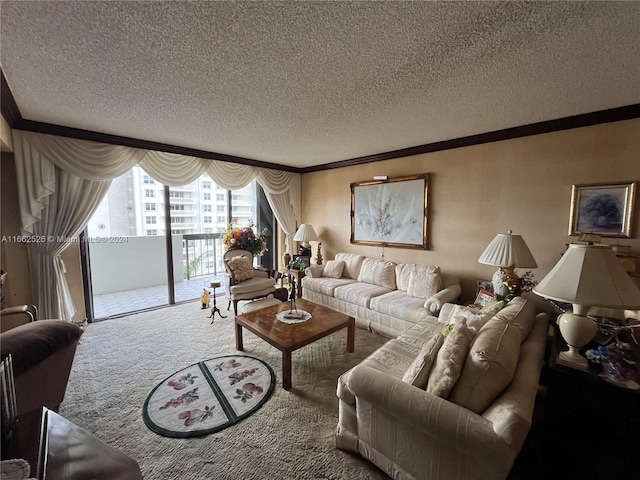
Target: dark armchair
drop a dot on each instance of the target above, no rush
(42, 353)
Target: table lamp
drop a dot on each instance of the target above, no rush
(305, 234)
(508, 252)
(586, 276)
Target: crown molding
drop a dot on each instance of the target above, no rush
(584, 120)
(12, 115)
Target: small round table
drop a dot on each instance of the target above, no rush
(215, 309)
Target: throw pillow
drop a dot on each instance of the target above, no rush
(424, 284)
(489, 367)
(241, 268)
(492, 307)
(418, 372)
(333, 269)
(378, 272)
(452, 312)
(450, 360)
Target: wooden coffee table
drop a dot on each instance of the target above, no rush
(288, 337)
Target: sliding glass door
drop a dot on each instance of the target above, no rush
(150, 245)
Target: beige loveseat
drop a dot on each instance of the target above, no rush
(473, 431)
(382, 296)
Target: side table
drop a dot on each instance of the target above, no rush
(591, 426)
(292, 273)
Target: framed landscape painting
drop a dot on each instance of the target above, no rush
(390, 212)
(602, 209)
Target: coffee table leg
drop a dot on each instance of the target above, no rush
(351, 336)
(239, 345)
(286, 370)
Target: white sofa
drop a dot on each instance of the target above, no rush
(382, 296)
(474, 431)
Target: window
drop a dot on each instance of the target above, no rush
(206, 196)
(176, 207)
(149, 220)
(148, 180)
(219, 197)
(150, 207)
(220, 208)
(149, 193)
(206, 184)
(222, 220)
(208, 219)
(152, 231)
(206, 208)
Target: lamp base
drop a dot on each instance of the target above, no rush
(573, 360)
(577, 331)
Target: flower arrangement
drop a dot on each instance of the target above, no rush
(518, 285)
(245, 238)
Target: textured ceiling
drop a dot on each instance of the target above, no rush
(308, 83)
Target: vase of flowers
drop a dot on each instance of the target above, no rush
(245, 238)
(518, 285)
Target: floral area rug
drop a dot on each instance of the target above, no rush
(208, 396)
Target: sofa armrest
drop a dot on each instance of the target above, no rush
(445, 423)
(446, 295)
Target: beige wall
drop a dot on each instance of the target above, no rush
(522, 184)
(13, 255)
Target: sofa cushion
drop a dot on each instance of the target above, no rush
(333, 269)
(241, 268)
(403, 272)
(489, 366)
(359, 293)
(475, 319)
(324, 285)
(393, 358)
(421, 332)
(400, 305)
(255, 284)
(424, 284)
(418, 373)
(378, 272)
(352, 264)
(521, 313)
(450, 360)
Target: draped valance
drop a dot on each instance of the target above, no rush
(100, 161)
(61, 182)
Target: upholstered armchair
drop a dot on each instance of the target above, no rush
(243, 282)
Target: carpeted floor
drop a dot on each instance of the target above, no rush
(119, 361)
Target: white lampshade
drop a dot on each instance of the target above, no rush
(305, 234)
(586, 276)
(507, 250)
(590, 275)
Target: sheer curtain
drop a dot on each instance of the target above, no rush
(61, 181)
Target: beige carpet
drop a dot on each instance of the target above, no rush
(119, 361)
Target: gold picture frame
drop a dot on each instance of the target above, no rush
(391, 212)
(604, 209)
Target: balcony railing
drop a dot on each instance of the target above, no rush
(202, 254)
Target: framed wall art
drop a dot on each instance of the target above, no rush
(602, 209)
(390, 212)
